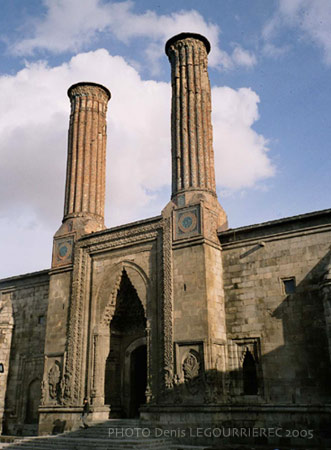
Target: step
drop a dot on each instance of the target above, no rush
(63, 443)
(32, 446)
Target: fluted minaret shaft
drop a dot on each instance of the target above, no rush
(191, 128)
(86, 164)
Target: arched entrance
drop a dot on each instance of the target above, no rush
(33, 400)
(250, 375)
(126, 364)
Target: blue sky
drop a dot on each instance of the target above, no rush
(270, 71)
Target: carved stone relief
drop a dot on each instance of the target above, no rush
(188, 382)
(53, 385)
(166, 347)
(192, 370)
(54, 376)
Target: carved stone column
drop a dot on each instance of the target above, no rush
(192, 150)
(100, 353)
(86, 163)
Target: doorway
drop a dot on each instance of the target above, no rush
(138, 379)
(32, 404)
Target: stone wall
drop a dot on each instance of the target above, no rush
(23, 352)
(272, 281)
(273, 371)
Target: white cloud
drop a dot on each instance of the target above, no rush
(311, 17)
(241, 158)
(34, 111)
(242, 57)
(34, 116)
(69, 25)
(274, 51)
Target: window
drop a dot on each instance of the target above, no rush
(288, 285)
(41, 320)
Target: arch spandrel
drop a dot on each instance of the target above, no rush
(107, 293)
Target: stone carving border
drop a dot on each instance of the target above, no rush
(73, 366)
(109, 309)
(167, 344)
(118, 239)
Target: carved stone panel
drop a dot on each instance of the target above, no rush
(189, 377)
(53, 384)
(187, 222)
(63, 251)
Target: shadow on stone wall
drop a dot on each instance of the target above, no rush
(287, 387)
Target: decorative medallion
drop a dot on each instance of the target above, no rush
(63, 251)
(187, 222)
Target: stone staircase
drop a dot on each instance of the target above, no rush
(120, 434)
(110, 435)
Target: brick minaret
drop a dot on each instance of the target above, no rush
(86, 164)
(193, 171)
(193, 216)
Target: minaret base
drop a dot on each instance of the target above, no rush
(211, 216)
(81, 224)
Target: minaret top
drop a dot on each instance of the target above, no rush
(186, 35)
(83, 85)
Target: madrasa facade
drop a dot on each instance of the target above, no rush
(177, 319)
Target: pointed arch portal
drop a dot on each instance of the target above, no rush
(126, 363)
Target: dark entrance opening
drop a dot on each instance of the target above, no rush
(33, 400)
(250, 375)
(138, 379)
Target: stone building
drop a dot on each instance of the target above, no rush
(176, 317)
